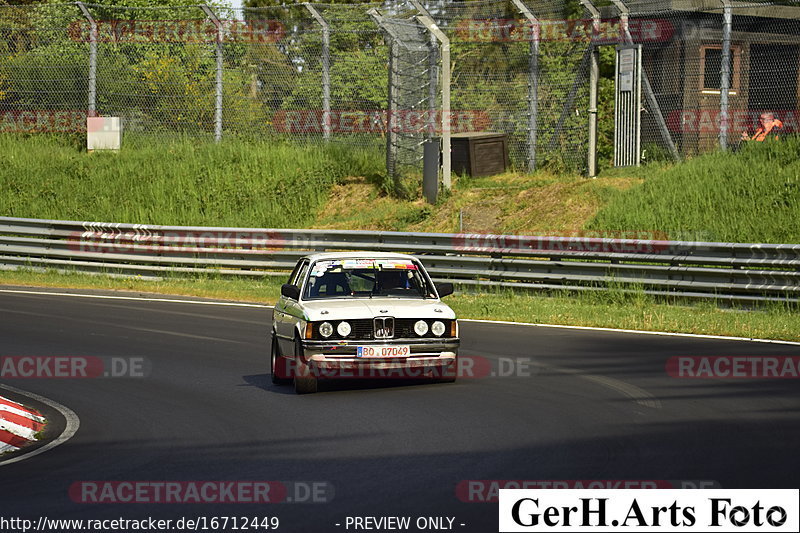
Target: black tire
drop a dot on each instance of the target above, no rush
(274, 361)
(304, 381)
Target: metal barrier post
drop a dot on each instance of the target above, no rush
(725, 73)
(92, 59)
(326, 70)
(533, 82)
(594, 79)
(218, 99)
(426, 20)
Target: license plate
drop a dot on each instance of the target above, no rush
(383, 351)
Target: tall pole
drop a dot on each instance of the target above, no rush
(594, 79)
(326, 70)
(533, 81)
(426, 20)
(391, 96)
(725, 73)
(218, 49)
(92, 59)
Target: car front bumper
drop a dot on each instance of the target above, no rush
(428, 358)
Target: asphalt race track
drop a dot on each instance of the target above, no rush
(576, 405)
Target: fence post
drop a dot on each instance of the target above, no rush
(92, 59)
(433, 85)
(391, 111)
(725, 73)
(594, 79)
(533, 82)
(218, 47)
(426, 20)
(326, 70)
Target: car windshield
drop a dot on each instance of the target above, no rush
(366, 278)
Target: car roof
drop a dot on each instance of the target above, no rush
(357, 255)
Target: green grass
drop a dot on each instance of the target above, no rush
(612, 309)
(185, 182)
(749, 196)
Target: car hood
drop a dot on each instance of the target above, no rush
(354, 309)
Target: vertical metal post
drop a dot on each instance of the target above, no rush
(426, 20)
(92, 59)
(326, 70)
(446, 155)
(391, 134)
(218, 100)
(391, 114)
(433, 85)
(533, 82)
(594, 79)
(725, 73)
(430, 170)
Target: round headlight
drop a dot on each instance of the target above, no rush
(438, 328)
(325, 329)
(343, 329)
(420, 327)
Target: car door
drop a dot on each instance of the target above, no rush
(288, 312)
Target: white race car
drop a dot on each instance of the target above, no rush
(362, 315)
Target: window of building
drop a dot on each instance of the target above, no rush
(711, 65)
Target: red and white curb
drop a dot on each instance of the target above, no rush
(18, 425)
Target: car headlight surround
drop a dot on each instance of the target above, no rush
(326, 329)
(438, 328)
(344, 329)
(420, 328)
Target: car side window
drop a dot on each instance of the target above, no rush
(299, 273)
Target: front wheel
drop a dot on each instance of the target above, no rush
(305, 382)
(278, 366)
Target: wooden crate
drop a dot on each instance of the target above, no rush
(479, 153)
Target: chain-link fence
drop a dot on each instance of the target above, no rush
(371, 74)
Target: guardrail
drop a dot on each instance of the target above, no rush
(745, 272)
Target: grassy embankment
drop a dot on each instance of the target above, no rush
(183, 183)
(718, 196)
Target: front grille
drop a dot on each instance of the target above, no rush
(365, 328)
(383, 327)
(362, 329)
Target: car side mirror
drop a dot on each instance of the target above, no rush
(444, 289)
(290, 291)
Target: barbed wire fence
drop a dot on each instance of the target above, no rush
(370, 75)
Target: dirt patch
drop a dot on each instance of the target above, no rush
(560, 206)
(517, 204)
